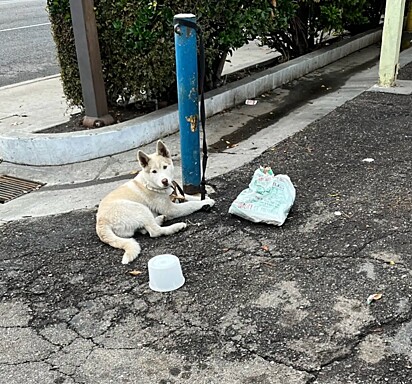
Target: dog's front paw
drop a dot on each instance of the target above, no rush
(180, 226)
(160, 219)
(207, 203)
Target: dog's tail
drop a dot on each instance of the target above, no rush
(130, 246)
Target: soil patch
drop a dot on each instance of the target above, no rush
(119, 113)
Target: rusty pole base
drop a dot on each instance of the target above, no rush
(191, 189)
(97, 122)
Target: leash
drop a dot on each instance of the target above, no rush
(202, 73)
(177, 195)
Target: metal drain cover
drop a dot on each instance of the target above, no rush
(13, 187)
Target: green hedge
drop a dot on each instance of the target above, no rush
(307, 21)
(137, 43)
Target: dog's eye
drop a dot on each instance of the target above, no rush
(154, 171)
(165, 166)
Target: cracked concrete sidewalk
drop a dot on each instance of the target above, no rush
(261, 304)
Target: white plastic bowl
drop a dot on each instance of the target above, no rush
(165, 273)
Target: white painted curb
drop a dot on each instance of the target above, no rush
(73, 147)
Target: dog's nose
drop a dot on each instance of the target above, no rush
(165, 182)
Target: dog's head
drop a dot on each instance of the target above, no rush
(157, 168)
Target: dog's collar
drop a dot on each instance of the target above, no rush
(154, 189)
(158, 190)
(176, 191)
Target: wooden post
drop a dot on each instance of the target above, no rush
(90, 66)
(408, 24)
(391, 42)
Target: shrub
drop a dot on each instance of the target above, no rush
(228, 25)
(306, 21)
(137, 43)
(372, 13)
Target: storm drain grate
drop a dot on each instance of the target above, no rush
(13, 187)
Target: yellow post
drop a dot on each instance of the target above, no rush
(391, 42)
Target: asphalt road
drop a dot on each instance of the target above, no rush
(27, 49)
(260, 304)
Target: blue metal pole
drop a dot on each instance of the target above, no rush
(188, 102)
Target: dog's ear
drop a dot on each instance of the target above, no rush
(143, 159)
(162, 150)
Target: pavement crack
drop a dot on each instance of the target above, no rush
(272, 360)
(106, 165)
(371, 241)
(396, 321)
(75, 367)
(369, 330)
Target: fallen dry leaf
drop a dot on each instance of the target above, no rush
(265, 248)
(135, 273)
(374, 297)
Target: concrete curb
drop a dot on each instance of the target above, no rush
(72, 147)
(27, 82)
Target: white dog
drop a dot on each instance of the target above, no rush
(143, 204)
